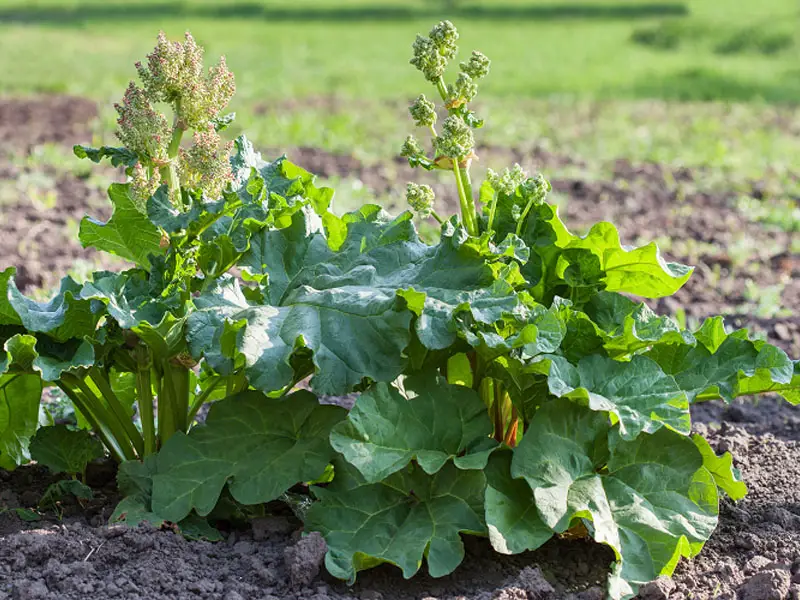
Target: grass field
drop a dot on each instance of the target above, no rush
(596, 79)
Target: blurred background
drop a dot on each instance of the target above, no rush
(677, 120)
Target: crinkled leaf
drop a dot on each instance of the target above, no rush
(8, 316)
(128, 233)
(259, 446)
(726, 476)
(343, 305)
(433, 422)
(400, 520)
(117, 156)
(135, 483)
(640, 271)
(64, 450)
(650, 499)
(562, 261)
(49, 358)
(127, 296)
(511, 516)
(19, 417)
(638, 393)
(631, 326)
(65, 316)
(737, 366)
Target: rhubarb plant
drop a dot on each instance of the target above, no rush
(512, 381)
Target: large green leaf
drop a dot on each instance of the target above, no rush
(629, 326)
(511, 516)
(128, 297)
(8, 316)
(563, 263)
(64, 450)
(128, 233)
(19, 417)
(65, 316)
(117, 156)
(135, 484)
(431, 422)
(400, 520)
(638, 393)
(640, 271)
(345, 305)
(733, 366)
(26, 353)
(650, 499)
(721, 468)
(258, 446)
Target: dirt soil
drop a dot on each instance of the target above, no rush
(755, 552)
(754, 555)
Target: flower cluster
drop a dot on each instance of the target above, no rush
(464, 90)
(206, 165)
(536, 188)
(174, 74)
(507, 182)
(411, 148)
(432, 53)
(420, 198)
(456, 140)
(140, 127)
(423, 111)
(477, 67)
(143, 183)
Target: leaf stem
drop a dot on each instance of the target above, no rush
(466, 213)
(201, 398)
(524, 216)
(144, 396)
(492, 211)
(103, 431)
(102, 383)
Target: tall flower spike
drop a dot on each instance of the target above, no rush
(174, 74)
(173, 68)
(478, 65)
(140, 127)
(206, 165)
(420, 198)
(423, 111)
(456, 140)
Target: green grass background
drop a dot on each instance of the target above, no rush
(709, 83)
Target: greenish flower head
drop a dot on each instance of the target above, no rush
(144, 183)
(478, 65)
(427, 59)
(536, 188)
(508, 181)
(423, 111)
(140, 127)
(420, 198)
(464, 90)
(174, 74)
(411, 148)
(456, 140)
(206, 165)
(445, 35)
